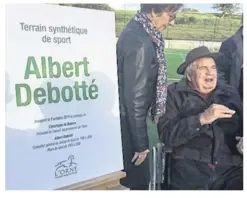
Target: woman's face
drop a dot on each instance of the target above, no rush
(161, 21)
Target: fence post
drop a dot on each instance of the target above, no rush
(215, 28)
(124, 13)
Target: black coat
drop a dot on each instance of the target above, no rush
(180, 127)
(137, 74)
(203, 157)
(229, 66)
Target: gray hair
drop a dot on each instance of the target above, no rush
(190, 70)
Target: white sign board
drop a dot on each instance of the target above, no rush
(62, 112)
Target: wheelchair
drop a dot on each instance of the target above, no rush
(160, 167)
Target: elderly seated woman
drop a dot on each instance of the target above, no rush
(202, 120)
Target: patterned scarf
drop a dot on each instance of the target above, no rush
(159, 100)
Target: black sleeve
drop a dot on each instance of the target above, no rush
(224, 62)
(137, 62)
(233, 125)
(175, 129)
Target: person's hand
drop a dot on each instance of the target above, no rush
(139, 157)
(214, 112)
(240, 144)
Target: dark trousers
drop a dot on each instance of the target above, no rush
(137, 177)
(195, 175)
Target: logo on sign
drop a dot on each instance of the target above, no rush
(66, 167)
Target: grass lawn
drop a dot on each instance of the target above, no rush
(174, 58)
(190, 25)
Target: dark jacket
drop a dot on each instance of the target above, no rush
(180, 127)
(229, 65)
(137, 73)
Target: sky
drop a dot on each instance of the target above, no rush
(201, 7)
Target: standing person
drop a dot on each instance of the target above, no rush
(230, 66)
(142, 75)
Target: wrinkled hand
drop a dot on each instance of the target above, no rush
(214, 112)
(139, 157)
(240, 144)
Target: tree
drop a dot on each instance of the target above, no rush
(192, 20)
(90, 6)
(226, 8)
(190, 10)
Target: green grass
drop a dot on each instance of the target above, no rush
(196, 32)
(152, 133)
(174, 58)
(191, 25)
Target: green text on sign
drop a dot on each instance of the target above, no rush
(52, 94)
